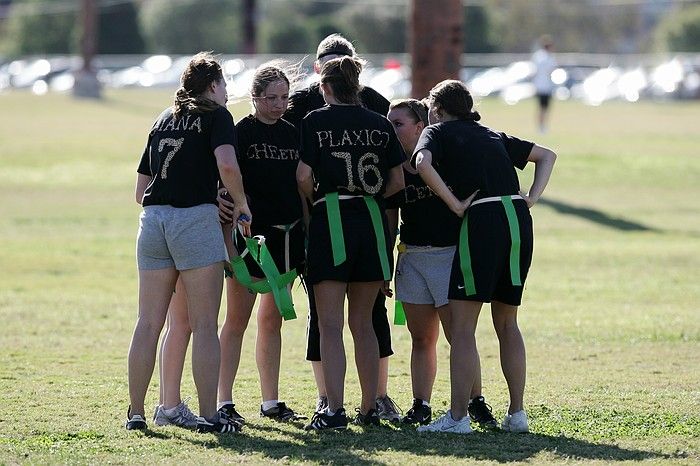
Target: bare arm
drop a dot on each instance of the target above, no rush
(231, 176)
(543, 159)
(396, 182)
(305, 181)
(424, 165)
(142, 182)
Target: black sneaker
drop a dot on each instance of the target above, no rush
(323, 421)
(229, 410)
(369, 419)
(223, 425)
(480, 412)
(135, 421)
(281, 413)
(418, 414)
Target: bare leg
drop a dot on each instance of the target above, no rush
(361, 296)
(464, 357)
(423, 323)
(330, 297)
(512, 349)
(155, 289)
(445, 319)
(318, 377)
(239, 305)
(204, 286)
(383, 377)
(174, 348)
(268, 347)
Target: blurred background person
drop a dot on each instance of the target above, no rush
(545, 64)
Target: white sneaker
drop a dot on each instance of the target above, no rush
(445, 423)
(180, 416)
(516, 422)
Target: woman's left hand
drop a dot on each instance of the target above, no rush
(461, 206)
(386, 289)
(528, 200)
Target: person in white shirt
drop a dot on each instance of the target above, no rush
(545, 64)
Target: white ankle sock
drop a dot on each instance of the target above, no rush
(222, 403)
(269, 404)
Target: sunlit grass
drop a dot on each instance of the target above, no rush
(609, 315)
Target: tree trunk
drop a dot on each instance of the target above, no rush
(435, 42)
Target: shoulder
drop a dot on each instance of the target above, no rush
(246, 122)
(221, 113)
(374, 100)
(303, 94)
(285, 125)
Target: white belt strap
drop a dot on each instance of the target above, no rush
(494, 199)
(286, 229)
(342, 197)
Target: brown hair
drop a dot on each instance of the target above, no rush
(343, 76)
(275, 70)
(201, 71)
(417, 107)
(335, 44)
(453, 98)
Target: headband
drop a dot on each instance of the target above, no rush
(334, 52)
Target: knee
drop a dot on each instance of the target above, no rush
(505, 326)
(149, 326)
(423, 342)
(203, 324)
(235, 325)
(270, 323)
(359, 326)
(330, 327)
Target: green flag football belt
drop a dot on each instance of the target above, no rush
(465, 262)
(335, 226)
(275, 282)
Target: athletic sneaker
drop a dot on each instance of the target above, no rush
(281, 413)
(180, 416)
(369, 419)
(388, 410)
(480, 412)
(324, 421)
(321, 404)
(230, 412)
(223, 425)
(135, 421)
(516, 422)
(445, 423)
(418, 414)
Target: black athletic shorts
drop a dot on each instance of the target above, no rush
(543, 100)
(362, 259)
(274, 240)
(489, 247)
(380, 322)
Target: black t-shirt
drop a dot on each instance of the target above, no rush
(180, 157)
(268, 156)
(306, 100)
(425, 218)
(469, 156)
(350, 150)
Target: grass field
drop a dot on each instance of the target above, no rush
(610, 314)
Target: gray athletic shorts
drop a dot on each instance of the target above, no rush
(423, 275)
(184, 238)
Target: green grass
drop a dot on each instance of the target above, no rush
(609, 315)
